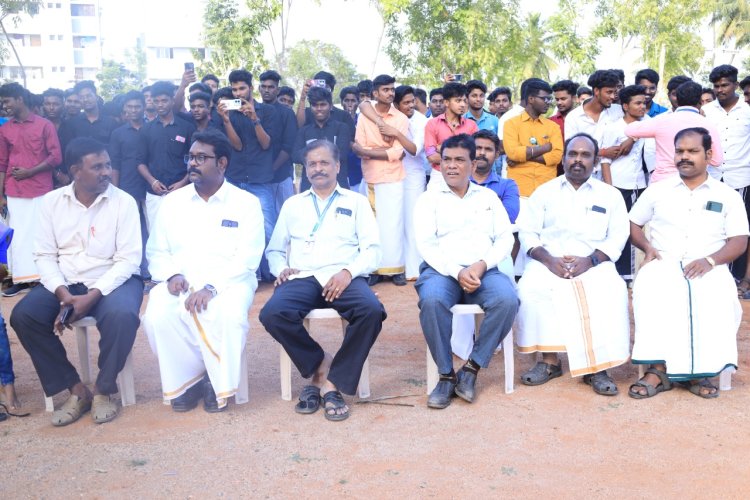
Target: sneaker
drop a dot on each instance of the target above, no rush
(15, 289)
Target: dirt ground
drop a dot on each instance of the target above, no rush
(558, 440)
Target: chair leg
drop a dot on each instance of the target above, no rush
(126, 383)
(641, 371)
(432, 372)
(364, 380)
(242, 396)
(285, 369)
(82, 338)
(510, 368)
(49, 405)
(725, 378)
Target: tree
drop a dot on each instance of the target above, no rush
(13, 9)
(232, 39)
(116, 79)
(307, 57)
(574, 50)
(538, 63)
(733, 18)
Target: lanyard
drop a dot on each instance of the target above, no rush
(321, 216)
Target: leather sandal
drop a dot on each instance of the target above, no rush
(309, 400)
(651, 390)
(542, 373)
(695, 387)
(336, 401)
(103, 409)
(70, 411)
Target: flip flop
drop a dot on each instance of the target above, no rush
(336, 400)
(602, 383)
(103, 409)
(309, 400)
(704, 383)
(541, 373)
(70, 411)
(664, 385)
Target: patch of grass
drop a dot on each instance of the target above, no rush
(508, 471)
(138, 462)
(415, 382)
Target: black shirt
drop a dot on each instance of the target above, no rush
(338, 115)
(288, 129)
(100, 129)
(335, 132)
(163, 149)
(124, 151)
(252, 164)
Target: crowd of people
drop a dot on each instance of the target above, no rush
(543, 219)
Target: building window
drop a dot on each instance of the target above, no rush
(82, 10)
(35, 40)
(58, 6)
(50, 5)
(54, 69)
(164, 53)
(62, 69)
(52, 37)
(59, 37)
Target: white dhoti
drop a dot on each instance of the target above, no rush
(189, 346)
(387, 202)
(22, 217)
(414, 185)
(153, 202)
(587, 317)
(689, 325)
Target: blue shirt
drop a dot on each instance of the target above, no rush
(507, 191)
(486, 122)
(656, 109)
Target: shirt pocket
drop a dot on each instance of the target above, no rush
(101, 242)
(597, 224)
(176, 148)
(344, 225)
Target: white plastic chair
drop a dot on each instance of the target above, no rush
(725, 377)
(285, 363)
(125, 381)
(432, 370)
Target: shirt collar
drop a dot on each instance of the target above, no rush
(445, 188)
(338, 189)
(678, 182)
(461, 119)
(492, 178)
(220, 195)
(588, 184)
(31, 118)
(68, 192)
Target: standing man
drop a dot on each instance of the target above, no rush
(502, 98)
(420, 101)
(349, 101)
(476, 99)
(672, 85)
(745, 86)
(437, 103)
(54, 106)
(304, 115)
(684, 298)
(92, 122)
(204, 250)
(325, 267)
(200, 110)
(165, 142)
(463, 233)
(29, 151)
(565, 99)
(149, 112)
(649, 79)
(383, 171)
(72, 105)
(212, 81)
(287, 97)
(87, 249)
(572, 300)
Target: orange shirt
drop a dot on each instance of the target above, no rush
(521, 132)
(368, 136)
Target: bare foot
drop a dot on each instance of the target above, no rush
(321, 374)
(331, 408)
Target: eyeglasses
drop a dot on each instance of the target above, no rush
(198, 159)
(547, 98)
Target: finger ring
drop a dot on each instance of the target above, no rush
(466, 289)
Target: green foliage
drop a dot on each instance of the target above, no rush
(13, 9)
(232, 39)
(577, 51)
(116, 79)
(733, 17)
(307, 57)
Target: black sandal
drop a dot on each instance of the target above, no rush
(309, 400)
(651, 390)
(336, 400)
(602, 383)
(695, 387)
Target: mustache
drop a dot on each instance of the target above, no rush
(685, 162)
(193, 170)
(319, 174)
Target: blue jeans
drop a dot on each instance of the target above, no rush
(438, 293)
(6, 362)
(266, 194)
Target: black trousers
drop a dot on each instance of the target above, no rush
(291, 301)
(739, 265)
(117, 320)
(625, 265)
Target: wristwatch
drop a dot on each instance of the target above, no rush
(211, 289)
(594, 260)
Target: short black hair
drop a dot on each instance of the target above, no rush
(689, 94)
(288, 91)
(420, 95)
(382, 80)
(201, 87)
(348, 90)
(200, 96)
(36, 100)
(620, 74)
(724, 71)
(476, 84)
(581, 134)
(603, 78)
(365, 87)
(454, 89)
(676, 81)
(84, 84)
(241, 75)
(705, 136)
(401, 92)
(584, 90)
(211, 77)
(319, 94)
(80, 147)
(489, 135)
(464, 141)
(133, 95)
(745, 82)
(501, 91)
(568, 86)
(533, 86)
(222, 93)
(437, 91)
(70, 92)
(627, 93)
(707, 90)
(328, 77)
(16, 90)
(163, 88)
(647, 74)
(270, 75)
(54, 93)
(219, 141)
(321, 143)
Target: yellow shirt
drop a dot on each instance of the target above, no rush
(522, 132)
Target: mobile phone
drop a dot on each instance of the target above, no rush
(66, 314)
(233, 104)
(319, 83)
(189, 66)
(457, 77)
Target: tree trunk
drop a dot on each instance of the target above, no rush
(15, 52)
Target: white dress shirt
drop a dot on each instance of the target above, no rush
(734, 128)
(99, 246)
(578, 121)
(569, 221)
(218, 242)
(627, 171)
(346, 238)
(454, 232)
(418, 161)
(690, 224)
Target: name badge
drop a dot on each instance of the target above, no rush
(229, 223)
(179, 138)
(597, 208)
(714, 206)
(344, 211)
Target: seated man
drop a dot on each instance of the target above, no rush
(321, 258)
(205, 248)
(572, 299)
(88, 252)
(684, 298)
(462, 233)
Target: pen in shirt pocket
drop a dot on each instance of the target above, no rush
(93, 231)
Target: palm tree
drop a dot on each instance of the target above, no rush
(536, 46)
(733, 19)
